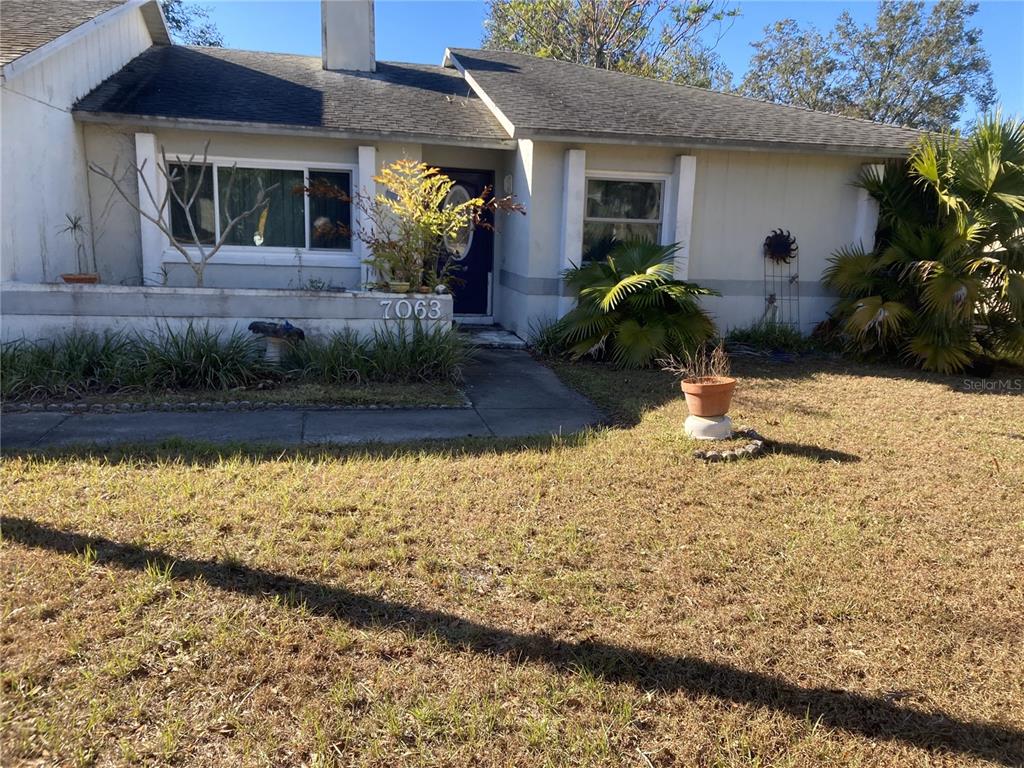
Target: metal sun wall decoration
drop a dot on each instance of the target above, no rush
(780, 246)
(781, 279)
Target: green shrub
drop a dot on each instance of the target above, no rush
(343, 357)
(421, 354)
(545, 338)
(944, 283)
(396, 353)
(80, 362)
(200, 358)
(769, 335)
(631, 310)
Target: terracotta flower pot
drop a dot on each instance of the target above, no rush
(710, 396)
(81, 278)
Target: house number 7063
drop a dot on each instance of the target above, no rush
(404, 309)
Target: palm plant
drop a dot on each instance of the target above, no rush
(630, 308)
(944, 284)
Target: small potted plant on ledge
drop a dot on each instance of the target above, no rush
(76, 230)
(708, 388)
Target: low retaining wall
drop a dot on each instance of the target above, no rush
(35, 311)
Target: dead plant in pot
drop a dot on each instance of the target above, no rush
(704, 378)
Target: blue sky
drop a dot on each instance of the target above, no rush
(419, 30)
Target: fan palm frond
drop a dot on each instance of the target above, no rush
(875, 320)
(852, 271)
(942, 347)
(631, 308)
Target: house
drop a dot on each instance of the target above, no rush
(588, 152)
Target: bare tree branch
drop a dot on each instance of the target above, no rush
(164, 204)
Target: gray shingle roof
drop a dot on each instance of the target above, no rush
(28, 24)
(210, 85)
(546, 97)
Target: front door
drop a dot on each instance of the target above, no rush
(472, 249)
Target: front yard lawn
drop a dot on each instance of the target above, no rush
(854, 597)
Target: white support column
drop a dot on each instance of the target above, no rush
(685, 178)
(152, 239)
(368, 187)
(574, 190)
(866, 219)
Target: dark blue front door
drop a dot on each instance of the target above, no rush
(473, 248)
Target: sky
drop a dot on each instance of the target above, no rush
(419, 30)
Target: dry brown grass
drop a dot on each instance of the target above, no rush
(853, 598)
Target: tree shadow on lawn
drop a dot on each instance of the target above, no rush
(870, 717)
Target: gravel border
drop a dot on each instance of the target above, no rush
(748, 451)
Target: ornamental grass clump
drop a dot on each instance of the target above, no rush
(72, 366)
(406, 352)
(201, 358)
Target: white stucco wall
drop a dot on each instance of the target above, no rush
(42, 148)
(529, 276)
(34, 312)
(739, 197)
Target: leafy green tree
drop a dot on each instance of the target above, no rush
(944, 284)
(630, 308)
(913, 66)
(190, 24)
(665, 39)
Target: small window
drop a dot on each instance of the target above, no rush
(281, 224)
(623, 209)
(330, 210)
(187, 178)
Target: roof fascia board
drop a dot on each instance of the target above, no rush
(272, 129)
(451, 60)
(44, 51)
(685, 143)
(156, 22)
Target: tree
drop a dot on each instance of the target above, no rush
(665, 39)
(944, 284)
(190, 24)
(911, 67)
(182, 182)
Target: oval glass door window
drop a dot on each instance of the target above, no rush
(459, 245)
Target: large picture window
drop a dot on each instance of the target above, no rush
(625, 209)
(291, 218)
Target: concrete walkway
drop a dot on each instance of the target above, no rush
(512, 396)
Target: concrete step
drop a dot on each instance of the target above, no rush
(491, 337)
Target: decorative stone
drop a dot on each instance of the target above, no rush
(708, 428)
(713, 456)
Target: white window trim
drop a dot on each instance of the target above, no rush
(260, 256)
(660, 178)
